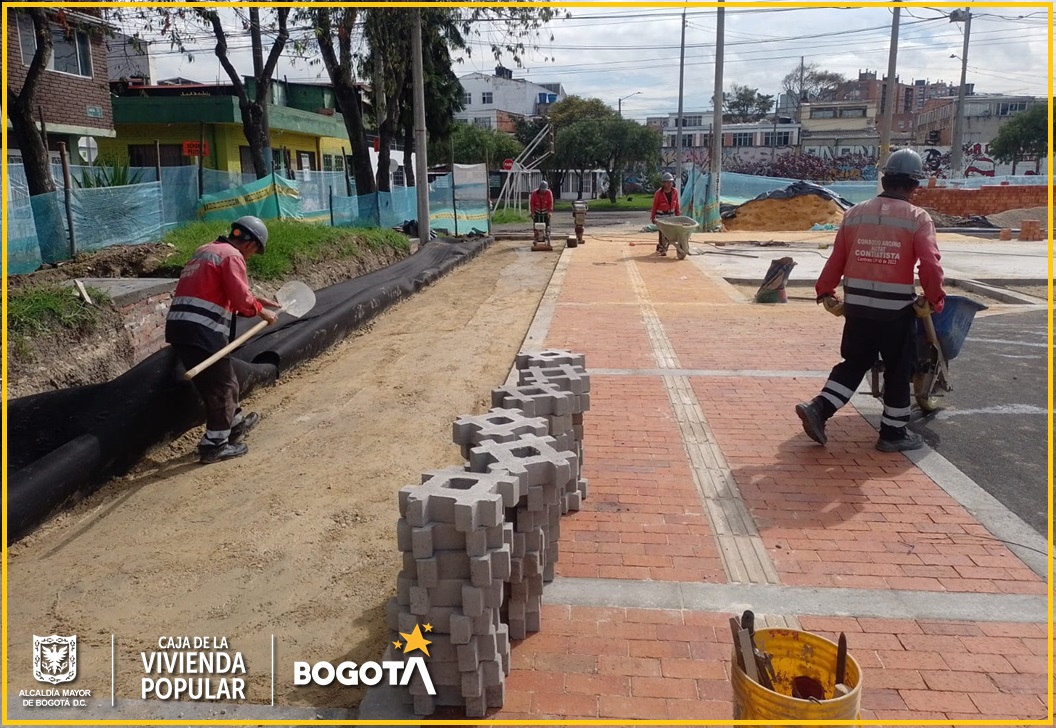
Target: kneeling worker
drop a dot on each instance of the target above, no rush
(212, 288)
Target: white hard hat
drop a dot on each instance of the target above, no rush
(907, 162)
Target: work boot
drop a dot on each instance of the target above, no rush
(911, 441)
(813, 421)
(209, 454)
(241, 428)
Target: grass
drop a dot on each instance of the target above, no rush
(635, 201)
(49, 308)
(289, 241)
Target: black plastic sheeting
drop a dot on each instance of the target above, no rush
(70, 441)
(797, 188)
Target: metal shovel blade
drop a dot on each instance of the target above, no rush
(296, 298)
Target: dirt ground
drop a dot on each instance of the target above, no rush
(795, 213)
(297, 539)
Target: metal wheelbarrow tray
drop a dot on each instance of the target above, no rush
(678, 230)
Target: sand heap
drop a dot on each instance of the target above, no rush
(792, 213)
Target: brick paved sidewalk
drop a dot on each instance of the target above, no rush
(706, 497)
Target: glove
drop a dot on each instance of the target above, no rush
(832, 304)
(921, 307)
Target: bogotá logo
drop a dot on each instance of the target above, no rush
(399, 672)
(55, 658)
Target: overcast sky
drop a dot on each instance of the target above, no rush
(612, 52)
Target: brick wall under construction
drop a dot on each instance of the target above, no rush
(985, 200)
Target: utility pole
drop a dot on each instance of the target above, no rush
(716, 117)
(421, 166)
(956, 151)
(678, 134)
(799, 101)
(892, 98)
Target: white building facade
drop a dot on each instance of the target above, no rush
(499, 101)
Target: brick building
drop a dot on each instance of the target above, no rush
(74, 93)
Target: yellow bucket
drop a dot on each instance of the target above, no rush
(796, 653)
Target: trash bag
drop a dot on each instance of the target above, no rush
(773, 288)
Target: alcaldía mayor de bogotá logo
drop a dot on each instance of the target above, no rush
(399, 672)
(54, 662)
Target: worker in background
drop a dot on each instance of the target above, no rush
(213, 287)
(541, 204)
(877, 247)
(665, 202)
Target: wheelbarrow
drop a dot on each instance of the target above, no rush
(939, 340)
(677, 229)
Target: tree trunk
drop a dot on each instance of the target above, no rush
(255, 126)
(31, 144)
(581, 173)
(351, 109)
(614, 183)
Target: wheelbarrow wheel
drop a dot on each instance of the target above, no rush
(681, 252)
(922, 388)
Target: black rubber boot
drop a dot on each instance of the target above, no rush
(911, 441)
(813, 421)
(209, 454)
(242, 428)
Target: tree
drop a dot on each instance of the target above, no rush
(622, 141)
(21, 105)
(743, 104)
(807, 83)
(573, 109)
(580, 147)
(1024, 137)
(471, 144)
(174, 23)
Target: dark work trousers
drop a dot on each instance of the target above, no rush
(662, 243)
(218, 388)
(863, 340)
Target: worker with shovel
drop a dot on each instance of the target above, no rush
(212, 288)
(877, 246)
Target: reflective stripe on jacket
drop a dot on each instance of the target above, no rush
(875, 252)
(541, 200)
(661, 204)
(212, 287)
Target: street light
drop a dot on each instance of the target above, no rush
(619, 103)
(956, 153)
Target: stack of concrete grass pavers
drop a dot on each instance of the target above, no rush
(480, 542)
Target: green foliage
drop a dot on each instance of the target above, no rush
(472, 144)
(1025, 136)
(815, 83)
(574, 109)
(289, 241)
(52, 307)
(109, 173)
(742, 104)
(637, 201)
(622, 142)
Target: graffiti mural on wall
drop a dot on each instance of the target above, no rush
(700, 157)
(976, 159)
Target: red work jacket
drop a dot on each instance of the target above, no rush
(541, 200)
(661, 203)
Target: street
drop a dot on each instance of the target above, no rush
(992, 425)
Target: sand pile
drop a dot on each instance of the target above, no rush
(792, 213)
(1013, 218)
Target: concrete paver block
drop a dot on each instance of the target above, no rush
(470, 501)
(570, 378)
(498, 424)
(532, 458)
(534, 400)
(549, 358)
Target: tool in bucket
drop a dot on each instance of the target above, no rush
(677, 229)
(295, 298)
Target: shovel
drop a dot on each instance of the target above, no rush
(295, 298)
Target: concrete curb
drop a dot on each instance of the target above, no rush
(999, 294)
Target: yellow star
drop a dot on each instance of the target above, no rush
(427, 627)
(415, 641)
(397, 644)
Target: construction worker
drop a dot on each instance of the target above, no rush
(212, 288)
(541, 204)
(665, 202)
(877, 246)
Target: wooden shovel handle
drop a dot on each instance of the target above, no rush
(192, 373)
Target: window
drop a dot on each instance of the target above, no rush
(484, 121)
(855, 113)
(742, 139)
(687, 140)
(486, 97)
(144, 155)
(823, 113)
(1008, 109)
(71, 55)
(467, 99)
(339, 163)
(328, 163)
(784, 139)
(692, 120)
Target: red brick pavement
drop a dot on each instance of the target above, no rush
(841, 516)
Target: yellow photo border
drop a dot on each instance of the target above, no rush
(577, 3)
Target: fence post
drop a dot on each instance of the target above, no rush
(201, 160)
(275, 193)
(454, 201)
(331, 205)
(68, 194)
(344, 165)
